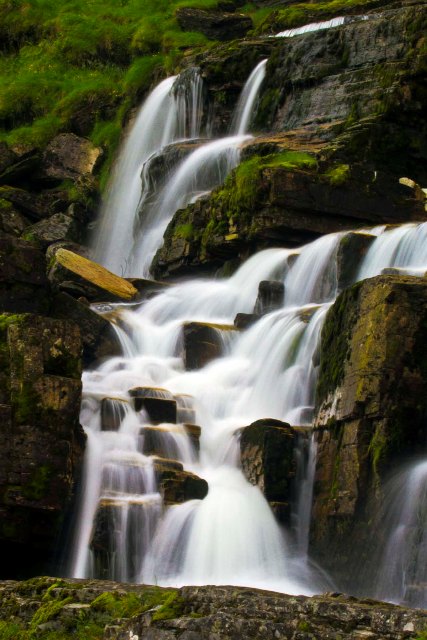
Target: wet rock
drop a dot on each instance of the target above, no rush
(68, 157)
(58, 227)
(177, 486)
(244, 320)
(41, 441)
(270, 297)
(351, 251)
(194, 432)
(24, 286)
(213, 24)
(268, 461)
(98, 337)
(202, 343)
(91, 279)
(370, 408)
(113, 410)
(159, 404)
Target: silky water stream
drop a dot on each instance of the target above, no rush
(124, 531)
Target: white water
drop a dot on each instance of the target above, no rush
(171, 112)
(403, 569)
(204, 169)
(319, 26)
(124, 530)
(245, 105)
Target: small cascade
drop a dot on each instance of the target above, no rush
(402, 575)
(403, 248)
(245, 106)
(205, 168)
(319, 26)
(172, 111)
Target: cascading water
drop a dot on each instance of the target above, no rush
(171, 112)
(125, 531)
(400, 529)
(245, 105)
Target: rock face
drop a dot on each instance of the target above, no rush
(114, 611)
(285, 199)
(213, 24)
(371, 407)
(41, 439)
(267, 449)
(176, 485)
(23, 281)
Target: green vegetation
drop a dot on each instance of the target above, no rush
(335, 345)
(38, 485)
(91, 613)
(338, 174)
(80, 66)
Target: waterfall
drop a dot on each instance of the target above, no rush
(402, 574)
(144, 411)
(171, 112)
(204, 169)
(245, 105)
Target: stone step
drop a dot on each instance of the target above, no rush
(158, 403)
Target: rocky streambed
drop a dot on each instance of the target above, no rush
(48, 608)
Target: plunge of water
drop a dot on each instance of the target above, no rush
(125, 530)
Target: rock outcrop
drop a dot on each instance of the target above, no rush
(214, 24)
(267, 450)
(114, 611)
(371, 408)
(41, 440)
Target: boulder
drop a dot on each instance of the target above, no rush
(24, 286)
(11, 221)
(90, 279)
(68, 157)
(244, 320)
(268, 461)
(159, 404)
(41, 441)
(213, 24)
(271, 294)
(58, 227)
(202, 343)
(371, 404)
(178, 486)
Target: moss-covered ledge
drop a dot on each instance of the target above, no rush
(57, 609)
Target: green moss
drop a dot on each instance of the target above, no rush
(48, 611)
(38, 485)
(338, 174)
(25, 403)
(184, 231)
(124, 605)
(173, 607)
(303, 625)
(12, 631)
(335, 348)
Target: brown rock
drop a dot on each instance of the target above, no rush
(213, 24)
(370, 409)
(159, 404)
(202, 343)
(68, 157)
(268, 461)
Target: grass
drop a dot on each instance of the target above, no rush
(75, 65)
